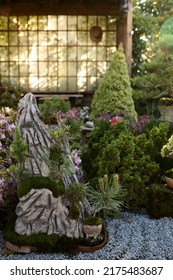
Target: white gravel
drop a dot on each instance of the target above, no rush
(130, 237)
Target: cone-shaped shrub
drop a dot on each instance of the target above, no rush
(114, 93)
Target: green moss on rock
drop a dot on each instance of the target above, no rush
(42, 241)
(25, 186)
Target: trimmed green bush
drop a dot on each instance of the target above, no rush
(135, 158)
(39, 183)
(160, 201)
(114, 93)
(75, 193)
(74, 212)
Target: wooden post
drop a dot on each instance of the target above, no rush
(124, 34)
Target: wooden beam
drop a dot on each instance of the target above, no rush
(54, 7)
(124, 34)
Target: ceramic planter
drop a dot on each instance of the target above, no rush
(92, 230)
(166, 113)
(169, 182)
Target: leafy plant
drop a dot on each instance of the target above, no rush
(18, 151)
(106, 196)
(74, 212)
(160, 202)
(10, 98)
(8, 196)
(50, 107)
(167, 149)
(75, 193)
(134, 156)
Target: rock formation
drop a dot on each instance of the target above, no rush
(39, 211)
(35, 133)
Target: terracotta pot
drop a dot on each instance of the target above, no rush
(169, 182)
(92, 231)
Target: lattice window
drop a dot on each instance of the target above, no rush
(55, 53)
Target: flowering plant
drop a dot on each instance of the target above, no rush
(77, 162)
(7, 182)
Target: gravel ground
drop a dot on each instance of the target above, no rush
(131, 237)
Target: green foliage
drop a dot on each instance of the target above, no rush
(106, 196)
(75, 193)
(25, 186)
(10, 98)
(157, 78)
(50, 107)
(136, 158)
(74, 212)
(167, 150)
(114, 93)
(148, 17)
(93, 221)
(160, 201)
(18, 152)
(58, 162)
(42, 241)
(18, 147)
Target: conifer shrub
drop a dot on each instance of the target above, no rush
(136, 158)
(74, 212)
(75, 193)
(114, 93)
(160, 202)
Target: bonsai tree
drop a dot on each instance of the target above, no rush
(107, 196)
(114, 93)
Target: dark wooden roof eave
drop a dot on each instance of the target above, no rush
(65, 7)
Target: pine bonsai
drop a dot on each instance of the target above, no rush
(114, 94)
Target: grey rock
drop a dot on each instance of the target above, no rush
(40, 212)
(35, 133)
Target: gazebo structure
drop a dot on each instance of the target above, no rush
(61, 46)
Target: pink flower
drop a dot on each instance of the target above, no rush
(114, 121)
(3, 136)
(75, 157)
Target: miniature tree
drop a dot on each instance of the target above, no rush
(114, 93)
(18, 151)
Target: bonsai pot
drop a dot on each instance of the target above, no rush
(92, 231)
(92, 226)
(169, 182)
(166, 113)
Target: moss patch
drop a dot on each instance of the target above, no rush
(42, 241)
(39, 183)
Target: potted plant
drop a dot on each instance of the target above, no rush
(105, 198)
(166, 108)
(92, 226)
